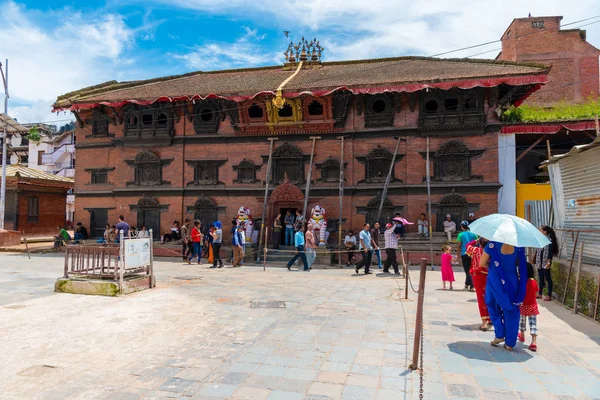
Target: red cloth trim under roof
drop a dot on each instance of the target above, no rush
(408, 88)
(547, 128)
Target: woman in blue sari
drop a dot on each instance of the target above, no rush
(505, 290)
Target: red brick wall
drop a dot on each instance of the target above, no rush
(51, 208)
(411, 169)
(575, 67)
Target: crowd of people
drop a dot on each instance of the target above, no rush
(507, 292)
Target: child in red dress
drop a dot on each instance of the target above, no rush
(529, 309)
(447, 273)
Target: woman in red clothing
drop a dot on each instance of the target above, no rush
(196, 241)
(529, 309)
(479, 275)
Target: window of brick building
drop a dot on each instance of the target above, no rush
(33, 209)
(246, 171)
(378, 164)
(330, 170)
(99, 177)
(288, 159)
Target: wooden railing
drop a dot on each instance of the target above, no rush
(92, 260)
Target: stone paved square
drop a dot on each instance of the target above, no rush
(339, 337)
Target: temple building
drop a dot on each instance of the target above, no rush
(198, 144)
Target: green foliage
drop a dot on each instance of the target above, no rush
(34, 135)
(560, 112)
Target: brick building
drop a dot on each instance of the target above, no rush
(35, 200)
(573, 79)
(197, 144)
(575, 73)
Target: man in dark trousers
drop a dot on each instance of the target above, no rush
(299, 243)
(391, 244)
(375, 243)
(366, 249)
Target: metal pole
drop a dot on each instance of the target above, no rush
(387, 181)
(267, 179)
(341, 202)
(577, 279)
(419, 321)
(4, 149)
(307, 188)
(429, 206)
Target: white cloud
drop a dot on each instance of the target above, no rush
(244, 52)
(353, 29)
(77, 51)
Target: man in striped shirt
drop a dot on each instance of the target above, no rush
(391, 244)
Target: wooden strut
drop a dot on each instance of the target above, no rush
(265, 256)
(387, 180)
(570, 267)
(577, 279)
(310, 166)
(523, 154)
(341, 192)
(267, 180)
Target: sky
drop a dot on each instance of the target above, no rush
(57, 47)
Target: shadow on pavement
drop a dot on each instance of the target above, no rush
(484, 352)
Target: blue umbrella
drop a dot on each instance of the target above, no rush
(505, 228)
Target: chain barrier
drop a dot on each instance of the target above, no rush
(421, 357)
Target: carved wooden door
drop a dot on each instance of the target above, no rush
(98, 221)
(150, 218)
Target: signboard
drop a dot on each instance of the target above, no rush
(137, 253)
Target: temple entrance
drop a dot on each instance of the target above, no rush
(98, 221)
(453, 204)
(151, 219)
(286, 196)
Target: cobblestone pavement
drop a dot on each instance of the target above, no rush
(206, 334)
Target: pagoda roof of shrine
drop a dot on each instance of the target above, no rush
(402, 74)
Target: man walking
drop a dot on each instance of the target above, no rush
(237, 247)
(391, 244)
(289, 228)
(375, 243)
(366, 249)
(121, 226)
(464, 238)
(186, 243)
(299, 243)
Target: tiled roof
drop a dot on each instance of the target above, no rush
(26, 172)
(350, 74)
(12, 126)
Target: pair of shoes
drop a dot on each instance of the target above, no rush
(289, 268)
(533, 347)
(356, 269)
(466, 287)
(368, 272)
(547, 298)
(538, 296)
(214, 266)
(184, 258)
(483, 328)
(386, 272)
(189, 262)
(220, 266)
(521, 337)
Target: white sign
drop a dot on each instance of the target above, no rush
(137, 253)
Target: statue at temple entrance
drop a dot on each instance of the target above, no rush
(245, 217)
(319, 223)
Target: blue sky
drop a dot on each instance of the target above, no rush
(56, 47)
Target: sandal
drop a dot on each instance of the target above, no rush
(521, 337)
(533, 347)
(496, 342)
(483, 328)
(508, 348)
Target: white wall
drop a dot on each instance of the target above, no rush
(507, 173)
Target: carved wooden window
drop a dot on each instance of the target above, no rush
(288, 159)
(99, 177)
(379, 110)
(315, 109)
(431, 106)
(205, 209)
(286, 111)
(256, 113)
(470, 104)
(206, 116)
(148, 169)
(451, 104)
(387, 211)
(206, 172)
(452, 162)
(377, 164)
(33, 213)
(99, 125)
(330, 170)
(145, 124)
(246, 171)
(457, 111)
(341, 98)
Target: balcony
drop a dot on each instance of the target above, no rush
(57, 154)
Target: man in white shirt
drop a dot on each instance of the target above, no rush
(391, 244)
(366, 249)
(449, 227)
(350, 242)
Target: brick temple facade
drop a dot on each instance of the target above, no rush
(197, 145)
